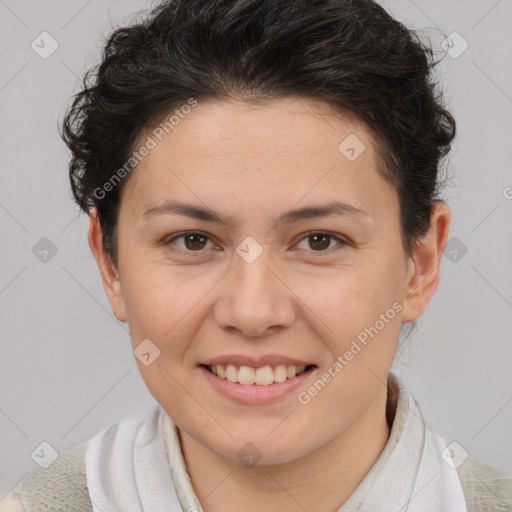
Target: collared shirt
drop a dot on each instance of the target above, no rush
(66, 484)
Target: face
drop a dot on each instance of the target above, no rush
(255, 281)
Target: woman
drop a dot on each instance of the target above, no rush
(262, 185)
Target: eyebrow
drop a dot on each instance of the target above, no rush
(171, 207)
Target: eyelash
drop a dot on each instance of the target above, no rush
(167, 242)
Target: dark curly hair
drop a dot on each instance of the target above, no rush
(350, 53)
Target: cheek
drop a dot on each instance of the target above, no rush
(158, 298)
(162, 310)
(348, 302)
(356, 311)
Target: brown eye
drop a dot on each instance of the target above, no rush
(320, 242)
(195, 241)
(192, 241)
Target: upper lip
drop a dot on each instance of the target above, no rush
(255, 362)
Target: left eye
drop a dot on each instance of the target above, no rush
(321, 241)
(195, 241)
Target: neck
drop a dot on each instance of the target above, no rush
(321, 481)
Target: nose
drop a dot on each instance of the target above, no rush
(254, 299)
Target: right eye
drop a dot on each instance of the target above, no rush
(193, 241)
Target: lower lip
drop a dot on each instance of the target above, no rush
(253, 393)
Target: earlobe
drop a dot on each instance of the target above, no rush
(423, 265)
(109, 274)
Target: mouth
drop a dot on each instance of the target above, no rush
(260, 385)
(262, 376)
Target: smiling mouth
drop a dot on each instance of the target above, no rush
(262, 376)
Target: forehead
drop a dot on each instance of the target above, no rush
(290, 125)
(269, 152)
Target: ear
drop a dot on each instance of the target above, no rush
(109, 273)
(424, 263)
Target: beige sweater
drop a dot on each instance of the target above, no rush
(63, 486)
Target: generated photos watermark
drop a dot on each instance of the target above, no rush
(157, 133)
(304, 397)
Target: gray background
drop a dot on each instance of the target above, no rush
(66, 369)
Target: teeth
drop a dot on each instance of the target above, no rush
(262, 376)
(231, 373)
(280, 373)
(247, 375)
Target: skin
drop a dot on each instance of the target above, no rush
(253, 163)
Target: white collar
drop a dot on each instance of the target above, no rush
(410, 474)
(137, 465)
